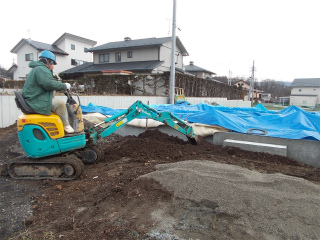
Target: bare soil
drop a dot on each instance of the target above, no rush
(110, 201)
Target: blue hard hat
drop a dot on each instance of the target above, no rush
(49, 55)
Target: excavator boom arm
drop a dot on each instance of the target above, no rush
(139, 110)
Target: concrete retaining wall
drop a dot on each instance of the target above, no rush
(274, 149)
(303, 151)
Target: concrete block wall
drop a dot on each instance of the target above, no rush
(8, 111)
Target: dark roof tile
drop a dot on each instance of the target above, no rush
(194, 68)
(138, 43)
(126, 66)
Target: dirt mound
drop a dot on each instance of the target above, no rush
(110, 202)
(153, 145)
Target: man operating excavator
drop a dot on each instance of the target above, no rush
(39, 86)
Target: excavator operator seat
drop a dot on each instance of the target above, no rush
(22, 104)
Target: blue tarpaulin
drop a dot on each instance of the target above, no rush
(291, 122)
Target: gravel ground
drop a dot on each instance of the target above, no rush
(17, 206)
(237, 202)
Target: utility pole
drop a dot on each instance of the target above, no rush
(252, 79)
(230, 76)
(173, 50)
(251, 89)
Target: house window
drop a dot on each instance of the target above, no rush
(73, 47)
(304, 102)
(76, 62)
(104, 57)
(29, 57)
(300, 90)
(129, 54)
(85, 49)
(118, 57)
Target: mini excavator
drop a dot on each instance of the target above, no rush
(52, 154)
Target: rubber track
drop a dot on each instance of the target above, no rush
(71, 159)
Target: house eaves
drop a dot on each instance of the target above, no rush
(303, 95)
(39, 46)
(74, 37)
(12, 68)
(240, 81)
(212, 79)
(146, 42)
(125, 66)
(78, 69)
(306, 82)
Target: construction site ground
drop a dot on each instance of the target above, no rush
(155, 186)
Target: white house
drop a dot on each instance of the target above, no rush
(305, 92)
(70, 50)
(149, 55)
(266, 97)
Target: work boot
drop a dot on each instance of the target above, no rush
(68, 129)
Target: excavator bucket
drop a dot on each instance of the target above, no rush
(194, 141)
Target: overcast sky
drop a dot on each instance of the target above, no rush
(281, 36)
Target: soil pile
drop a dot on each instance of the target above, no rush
(110, 201)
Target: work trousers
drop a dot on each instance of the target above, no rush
(59, 107)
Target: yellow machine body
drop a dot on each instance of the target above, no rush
(52, 124)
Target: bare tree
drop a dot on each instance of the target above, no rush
(276, 88)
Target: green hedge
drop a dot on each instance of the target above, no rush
(12, 84)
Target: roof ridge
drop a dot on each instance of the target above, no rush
(44, 46)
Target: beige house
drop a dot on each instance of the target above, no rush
(69, 49)
(305, 92)
(255, 94)
(143, 56)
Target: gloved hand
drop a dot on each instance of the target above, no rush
(68, 86)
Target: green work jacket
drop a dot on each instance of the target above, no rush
(39, 86)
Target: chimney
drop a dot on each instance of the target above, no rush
(191, 62)
(127, 39)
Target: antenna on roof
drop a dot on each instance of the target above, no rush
(29, 38)
(169, 21)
